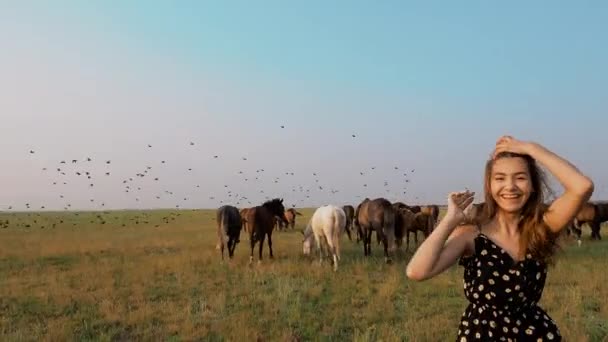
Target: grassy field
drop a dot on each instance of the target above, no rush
(127, 276)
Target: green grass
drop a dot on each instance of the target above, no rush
(157, 276)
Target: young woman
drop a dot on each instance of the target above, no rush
(505, 258)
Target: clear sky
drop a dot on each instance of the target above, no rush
(424, 86)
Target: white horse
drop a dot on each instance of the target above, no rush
(326, 226)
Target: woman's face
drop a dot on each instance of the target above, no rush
(510, 183)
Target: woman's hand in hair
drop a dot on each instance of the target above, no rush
(507, 143)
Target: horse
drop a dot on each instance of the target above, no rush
(325, 227)
(349, 211)
(356, 220)
(280, 222)
(404, 219)
(594, 214)
(422, 222)
(260, 223)
(432, 210)
(290, 217)
(378, 215)
(228, 228)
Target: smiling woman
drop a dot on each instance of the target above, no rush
(505, 258)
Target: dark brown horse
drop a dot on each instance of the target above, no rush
(422, 222)
(228, 228)
(594, 214)
(260, 224)
(404, 219)
(356, 220)
(377, 215)
(412, 208)
(349, 211)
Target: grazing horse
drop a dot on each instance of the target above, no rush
(325, 227)
(280, 222)
(349, 211)
(377, 215)
(422, 222)
(356, 220)
(228, 228)
(404, 220)
(594, 214)
(243, 213)
(432, 210)
(290, 217)
(260, 223)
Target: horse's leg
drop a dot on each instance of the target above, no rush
(252, 242)
(595, 230)
(270, 245)
(368, 241)
(337, 245)
(222, 249)
(387, 259)
(577, 230)
(333, 251)
(231, 246)
(361, 234)
(319, 247)
(263, 237)
(407, 241)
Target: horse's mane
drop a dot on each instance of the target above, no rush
(271, 202)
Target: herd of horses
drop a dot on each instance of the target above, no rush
(392, 222)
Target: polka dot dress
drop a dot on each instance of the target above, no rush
(503, 295)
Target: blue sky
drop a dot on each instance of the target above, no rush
(427, 86)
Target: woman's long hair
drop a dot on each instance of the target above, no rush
(535, 238)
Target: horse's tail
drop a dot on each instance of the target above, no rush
(223, 229)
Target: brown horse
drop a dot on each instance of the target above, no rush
(377, 215)
(594, 214)
(432, 210)
(290, 217)
(349, 211)
(356, 220)
(228, 228)
(243, 212)
(260, 223)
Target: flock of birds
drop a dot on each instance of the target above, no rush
(75, 173)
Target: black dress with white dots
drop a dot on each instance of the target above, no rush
(503, 295)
